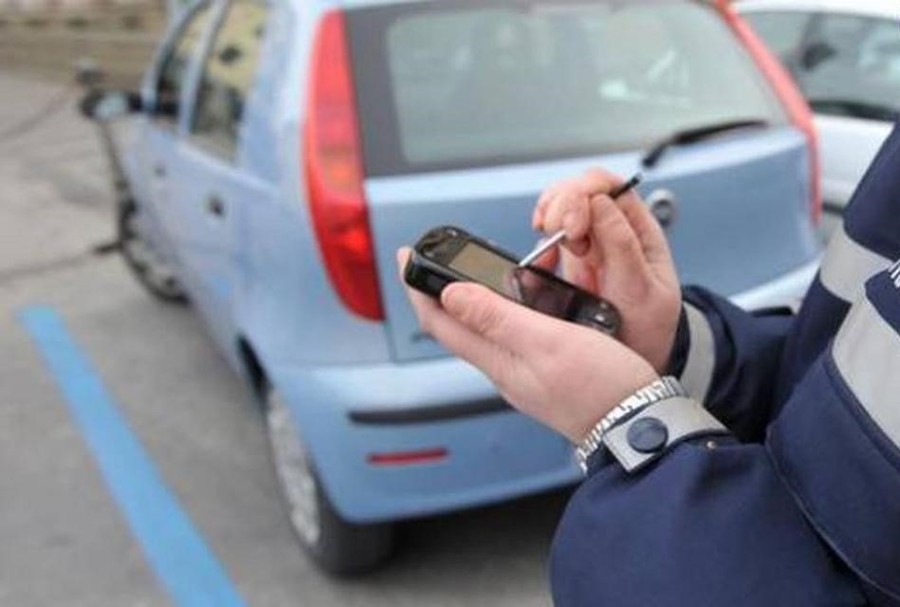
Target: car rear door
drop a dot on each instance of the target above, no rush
(163, 125)
(470, 109)
(212, 189)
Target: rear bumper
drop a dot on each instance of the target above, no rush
(347, 414)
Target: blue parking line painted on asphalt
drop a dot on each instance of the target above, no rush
(181, 559)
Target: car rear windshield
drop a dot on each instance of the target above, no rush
(468, 83)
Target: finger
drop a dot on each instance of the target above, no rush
(432, 318)
(548, 261)
(565, 206)
(403, 255)
(558, 194)
(593, 181)
(560, 207)
(506, 324)
(615, 237)
(543, 202)
(580, 274)
(550, 208)
(577, 227)
(571, 214)
(570, 208)
(457, 337)
(423, 305)
(600, 181)
(649, 232)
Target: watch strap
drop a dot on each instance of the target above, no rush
(660, 389)
(656, 429)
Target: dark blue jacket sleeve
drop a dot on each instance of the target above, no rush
(809, 512)
(836, 444)
(729, 360)
(702, 527)
(745, 367)
(810, 517)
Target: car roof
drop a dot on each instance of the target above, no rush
(873, 8)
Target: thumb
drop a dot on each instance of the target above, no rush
(497, 319)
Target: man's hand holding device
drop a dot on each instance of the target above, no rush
(552, 370)
(617, 250)
(567, 375)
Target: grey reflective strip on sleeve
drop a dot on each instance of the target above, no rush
(701, 359)
(847, 266)
(684, 418)
(867, 354)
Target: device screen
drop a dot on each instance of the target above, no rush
(519, 284)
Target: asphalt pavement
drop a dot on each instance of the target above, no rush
(64, 538)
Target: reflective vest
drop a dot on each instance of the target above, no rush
(800, 505)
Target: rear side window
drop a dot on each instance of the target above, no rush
(448, 85)
(851, 67)
(228, 76)
(175, 66)
(782, 31)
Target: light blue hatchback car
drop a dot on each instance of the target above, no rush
(283, 151)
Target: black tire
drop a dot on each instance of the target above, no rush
(337, 546)
(145, 263)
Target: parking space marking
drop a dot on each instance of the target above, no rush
(182, 561)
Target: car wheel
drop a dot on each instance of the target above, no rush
(145, 262)
(337, 546)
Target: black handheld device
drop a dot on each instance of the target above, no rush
(449, 254)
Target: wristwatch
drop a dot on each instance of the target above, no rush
(659, 390)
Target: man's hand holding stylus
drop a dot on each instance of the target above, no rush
(562, 374)
(616, 250)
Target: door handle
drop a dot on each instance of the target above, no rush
(215, 206)
(159, 171)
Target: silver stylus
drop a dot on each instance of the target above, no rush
(542, 248)
(558, 237)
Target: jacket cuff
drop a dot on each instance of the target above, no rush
(641, 440)
(693, 357)
(646, 437)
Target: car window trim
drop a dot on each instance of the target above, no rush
(190, 137)
(806, 33)
(192, 72)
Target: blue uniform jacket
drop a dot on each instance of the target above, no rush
(800, 505)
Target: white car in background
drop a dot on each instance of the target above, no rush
(845, 55)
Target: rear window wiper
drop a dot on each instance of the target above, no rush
(694, 135)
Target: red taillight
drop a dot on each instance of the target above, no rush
(796, 106)
(334, 173)
(408, 458)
